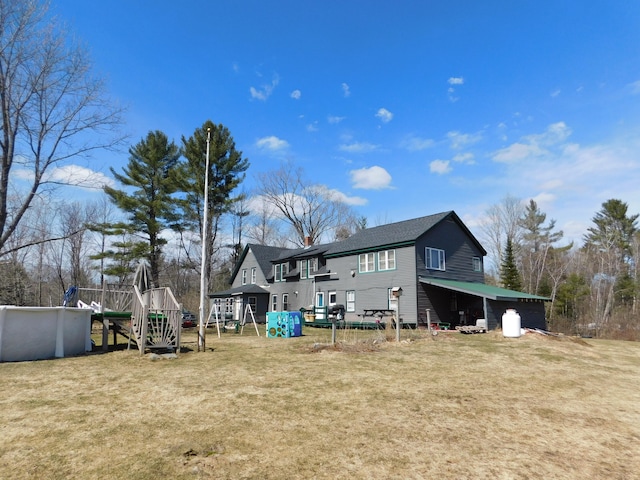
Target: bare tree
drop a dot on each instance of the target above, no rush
(312, 210)
(52, 108)
(502, 223)
(263, 225)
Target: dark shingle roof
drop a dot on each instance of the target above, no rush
(399, 233)
(264, 255)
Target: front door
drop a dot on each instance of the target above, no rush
(320, 303)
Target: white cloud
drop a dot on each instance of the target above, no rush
(516, 152)
(334, 119)
(346, 91)
(69, 175)
(358, 147)
(416, 144)
(555, 93)
(461, 140)
(266, 90)
(339, 196)
(296, 94)
(467, 158)
(635, 87)
(456, 81)
(372, 178)
(272, 143)
(440, 167)
(384, 115)
(535, 145)
(312, 127)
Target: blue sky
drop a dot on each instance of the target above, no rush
(403, 108)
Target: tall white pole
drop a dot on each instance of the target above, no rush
(203, 280)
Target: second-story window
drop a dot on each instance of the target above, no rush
(244, 276)
(387, 260)
(477, 264)
(253, 275)
(366, 262)
(280, 270)
(434, 258)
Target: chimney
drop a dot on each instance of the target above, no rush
(308, 241)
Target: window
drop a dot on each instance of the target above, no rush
(333, 298)
(313, 265)
(285, 302)
(477, 264)
(274, 303)
(308, 268)
(351, 301)
(253, 275)
(387, 260)
(280, 270)
(253, 303)
(244, 276)
(434, 258)
(366, 262)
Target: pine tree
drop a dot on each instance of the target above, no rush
(227, 170)
(509, 274)
(151, 172)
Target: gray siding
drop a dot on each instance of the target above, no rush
(459, 253)
(250, 262)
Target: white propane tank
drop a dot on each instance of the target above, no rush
(511, 323)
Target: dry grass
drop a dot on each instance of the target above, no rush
(448, 407)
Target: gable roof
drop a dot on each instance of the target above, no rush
(264, 254)
(394, 235)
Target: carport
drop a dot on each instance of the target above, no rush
(494, 300)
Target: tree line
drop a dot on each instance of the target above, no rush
(593, 287)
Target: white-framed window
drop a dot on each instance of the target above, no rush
(333, 298)
(351, 301)
(253, 275)
(280, 270)
(308, 267)
(387, 260)
(477, 264)
(244, 276)
(366, 262)
(274, 303)
(285, 302)
(434, 258)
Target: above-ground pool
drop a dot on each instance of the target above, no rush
(35, 333)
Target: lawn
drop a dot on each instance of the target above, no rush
(449, 407)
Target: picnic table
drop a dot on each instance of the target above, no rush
(378, 312)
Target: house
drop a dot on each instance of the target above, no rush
(435, 260)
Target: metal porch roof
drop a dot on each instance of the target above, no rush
(481, 290)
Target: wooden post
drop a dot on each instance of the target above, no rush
(429, 320)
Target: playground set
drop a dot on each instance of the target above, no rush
(150, 317)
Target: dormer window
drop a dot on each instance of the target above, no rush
(279, 272)
(308, 267)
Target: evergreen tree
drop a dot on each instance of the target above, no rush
(609, 244)
(536, 247)
(151, 172)
(227, 170)
(509, 274)
(613, 230)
